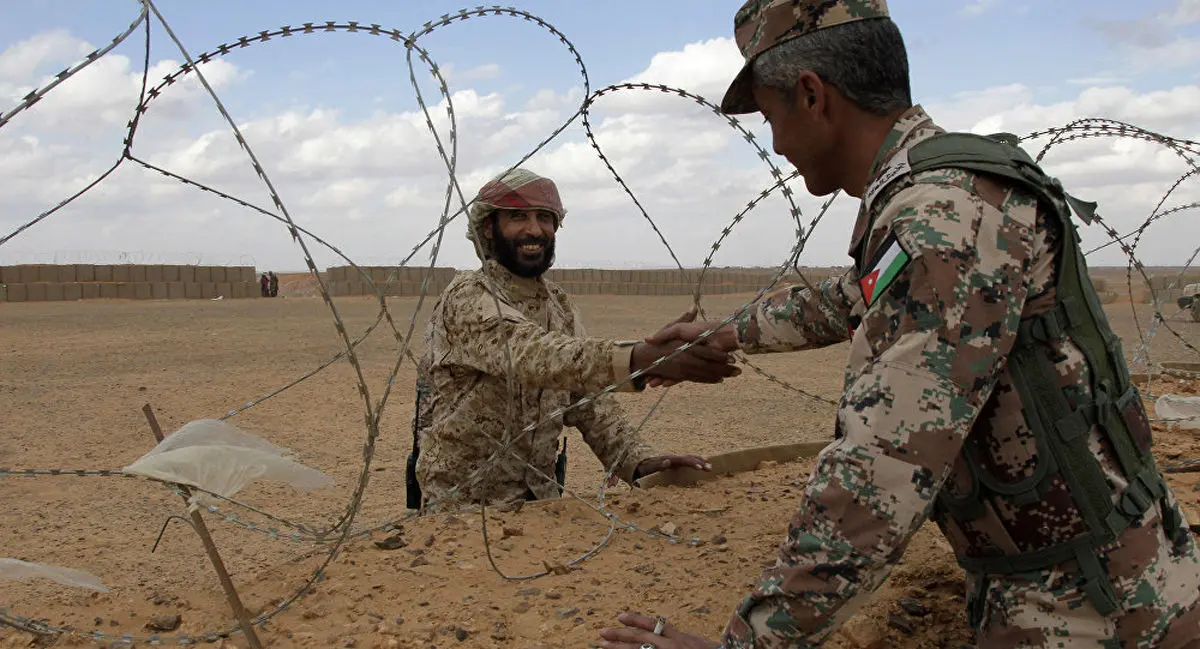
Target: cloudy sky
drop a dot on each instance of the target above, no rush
(334, 120)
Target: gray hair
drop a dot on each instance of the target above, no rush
(865, 60)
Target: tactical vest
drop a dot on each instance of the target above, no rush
(1061, 431)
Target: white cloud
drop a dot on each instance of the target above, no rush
(375, 184)
(21, 60)
(1186, 12)
(1155, 41)
(106, 91)
(453, 75)
(977, 7)
(704, 68)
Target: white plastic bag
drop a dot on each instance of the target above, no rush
(1172, 406)
(221, 458)
(18, 570)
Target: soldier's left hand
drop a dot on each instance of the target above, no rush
(662, 462)
(638, 632)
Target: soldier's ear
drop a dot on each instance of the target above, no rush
(809, 91)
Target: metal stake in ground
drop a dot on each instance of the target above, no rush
(235, 602)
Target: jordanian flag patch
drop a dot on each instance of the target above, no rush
(887, 265)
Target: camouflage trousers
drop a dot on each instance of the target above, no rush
(1157, 579)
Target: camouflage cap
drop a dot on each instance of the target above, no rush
(762, 24)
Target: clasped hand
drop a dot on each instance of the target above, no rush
(707, 362)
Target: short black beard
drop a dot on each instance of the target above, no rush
(507, 256)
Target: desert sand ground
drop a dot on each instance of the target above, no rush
(77, 374)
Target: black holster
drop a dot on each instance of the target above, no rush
(413, 489)
(560, 468)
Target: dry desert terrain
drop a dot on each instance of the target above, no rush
(76, 375)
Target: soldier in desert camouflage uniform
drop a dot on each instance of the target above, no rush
(983, 390)
(506, 322)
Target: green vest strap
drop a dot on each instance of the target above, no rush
(1061, 428)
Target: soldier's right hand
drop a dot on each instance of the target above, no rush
(700, 363)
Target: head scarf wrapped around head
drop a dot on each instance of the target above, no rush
(519, 189)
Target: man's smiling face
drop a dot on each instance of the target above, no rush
(523, 240)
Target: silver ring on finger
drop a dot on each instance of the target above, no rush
(647, 645)
(659, 625)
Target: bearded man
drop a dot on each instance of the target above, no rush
(506, 349)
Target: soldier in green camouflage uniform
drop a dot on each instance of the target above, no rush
(506, 348)
(982, 390)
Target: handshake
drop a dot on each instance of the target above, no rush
(706, 362)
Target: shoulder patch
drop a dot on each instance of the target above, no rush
(887, 264)
(895, 168)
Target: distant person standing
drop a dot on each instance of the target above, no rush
(274, 284)
(265, 283)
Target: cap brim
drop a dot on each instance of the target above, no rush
(739, 99)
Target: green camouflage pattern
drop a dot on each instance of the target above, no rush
(762, 24)
(926, 380)
(1156, 576)
(554, 364)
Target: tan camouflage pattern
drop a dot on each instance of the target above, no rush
(926, 378)
(554, 364)
(762, 24)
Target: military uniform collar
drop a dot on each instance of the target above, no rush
(525, 287)
(898, 139)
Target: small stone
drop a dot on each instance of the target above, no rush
(913, 607)
(98, 620)
(460, 634)
(863, 632)
(418, 562)
(719, 540)
(633, 507)
(165, 622)
(897, 622)
(553, 595)
(701, 610)
(349, 643)
(521, 607)
(565, 613)
(511, 531)
(668, 528)
(113, 623)
(529, 592)
(393, 542)
(429, 541)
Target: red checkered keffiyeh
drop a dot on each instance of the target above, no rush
(517, 189)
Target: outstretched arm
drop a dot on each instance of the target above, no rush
(485, 334)
(799, 317)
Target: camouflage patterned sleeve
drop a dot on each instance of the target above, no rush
(604, 427)
(478, 331)
(931, 345)
(424, 413)
(798, 317)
